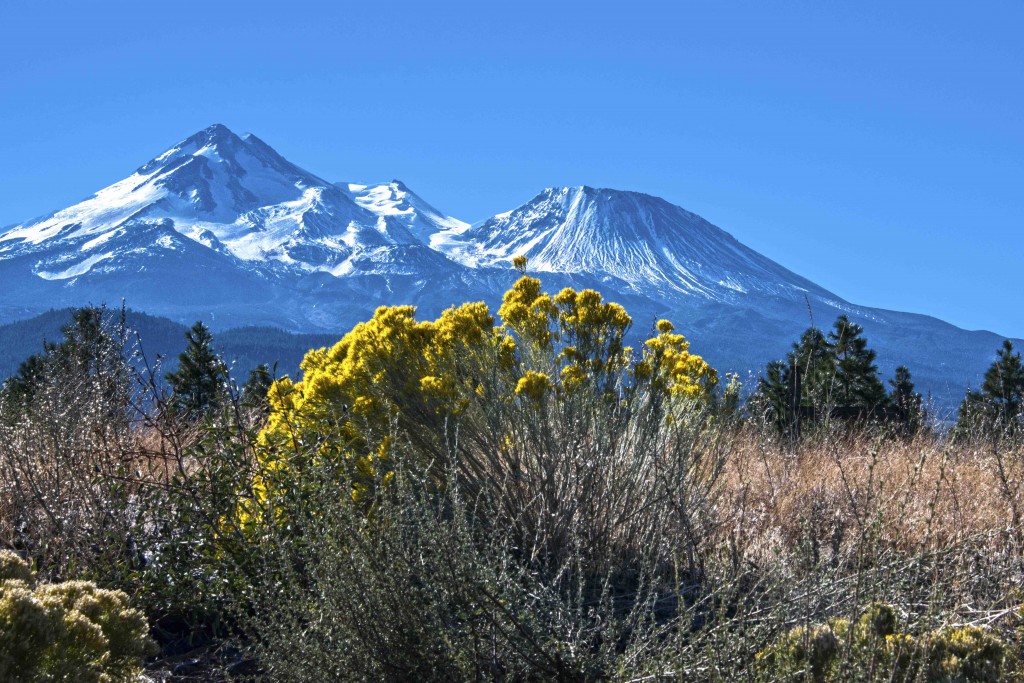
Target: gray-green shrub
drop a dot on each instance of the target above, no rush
(69, 631)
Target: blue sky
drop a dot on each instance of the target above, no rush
(875, 148)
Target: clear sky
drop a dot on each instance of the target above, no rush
(876, 148)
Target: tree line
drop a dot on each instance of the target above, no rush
(825, 378)
(833, 377)
(96, 349)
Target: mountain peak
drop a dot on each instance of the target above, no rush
(218, 138)
(235, 196)
(395, 203)
(217, 131)
(218, 135)
(599, 193)
(575, 195)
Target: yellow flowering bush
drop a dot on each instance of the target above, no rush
(395, 375)
(71, 631)
(352, 395)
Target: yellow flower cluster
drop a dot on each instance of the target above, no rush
(587, 332)
(528, 312)
(533, 385)
(668, 365)
(351, 394)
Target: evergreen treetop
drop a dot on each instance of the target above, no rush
(199, 385)
(91, 356)
(905, 401)
(813, 359)
(1004, 382)
(831, 375)
(856, 375)
(999, 405)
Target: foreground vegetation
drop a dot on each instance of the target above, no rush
(506, 499)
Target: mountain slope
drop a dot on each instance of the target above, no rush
(396, 204)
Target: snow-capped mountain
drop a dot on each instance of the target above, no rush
(222, 228)
(235, 196)
(656, 247)
(223, 225)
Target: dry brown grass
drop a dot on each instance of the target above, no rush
(808, 532)
(915, 495)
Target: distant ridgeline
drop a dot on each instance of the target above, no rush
(243, 348)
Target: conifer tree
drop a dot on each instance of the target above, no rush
(814, 360)
(20, 388)
(974, 417)
(857, 384)
(1003, 387)
(999, 406)
(827, 373)
(905, 401)
(88, 363)
(803, 380)
(199, 383)
(774, 397)
(254, 392)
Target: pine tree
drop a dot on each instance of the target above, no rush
(774, 397)
(813, 360)
(974, 417)
(199, 383)
(1003, 387)
(905, 401)
(999, 406)
(254, 392)
(802, 381)
(88, 364)
(834, 375)
(857, 384)
(20, 388)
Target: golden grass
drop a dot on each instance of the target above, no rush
(910, 495)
